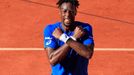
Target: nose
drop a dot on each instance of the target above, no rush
(68, 14)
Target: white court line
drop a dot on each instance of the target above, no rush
(96, 49)
(21, 48)
(114, 49)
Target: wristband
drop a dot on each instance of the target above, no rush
(73, 38)
(64, 37)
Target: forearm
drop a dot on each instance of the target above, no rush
(59, 54)
(81, 49)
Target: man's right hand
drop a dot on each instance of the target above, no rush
(57, 33)
(78, 32)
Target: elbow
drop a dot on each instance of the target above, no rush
(52, 62)
(89, 55)
(90, 52)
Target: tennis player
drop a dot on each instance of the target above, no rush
(69, 43)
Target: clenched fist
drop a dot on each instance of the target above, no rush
(78, 32)
(57, 33)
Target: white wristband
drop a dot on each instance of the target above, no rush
(73, 38)
(64, 37)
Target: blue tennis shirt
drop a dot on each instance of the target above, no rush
(73, 64)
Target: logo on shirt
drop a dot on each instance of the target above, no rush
(48, 40)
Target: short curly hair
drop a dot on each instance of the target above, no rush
(73, 2)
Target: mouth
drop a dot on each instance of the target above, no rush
(67, 21)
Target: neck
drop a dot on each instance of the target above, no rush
(69, 28)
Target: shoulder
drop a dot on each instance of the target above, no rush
(51, 27)
(86, 26)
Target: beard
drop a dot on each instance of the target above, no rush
(68, 22)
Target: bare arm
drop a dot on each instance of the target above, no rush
(85, 51)
(56, 56)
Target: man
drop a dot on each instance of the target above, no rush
(69, 43)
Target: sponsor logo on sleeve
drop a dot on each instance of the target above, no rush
(48, 40)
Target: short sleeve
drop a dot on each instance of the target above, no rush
(49, 40)
(88, 38)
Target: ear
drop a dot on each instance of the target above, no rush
(59, 11)
(75, 11)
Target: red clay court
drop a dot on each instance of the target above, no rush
(21, 35)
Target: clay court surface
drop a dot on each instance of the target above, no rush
(21, 35)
